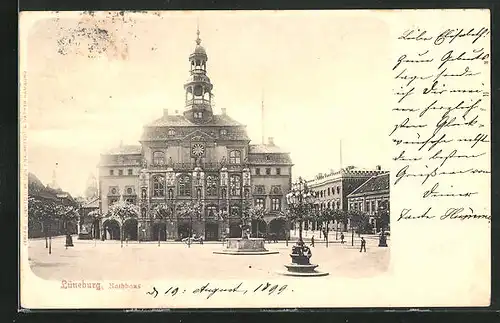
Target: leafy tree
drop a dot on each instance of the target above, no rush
(163, 211)
(252, 212)
(124, 210)
(359, 221)
(189, 209)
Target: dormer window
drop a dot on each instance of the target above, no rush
(171, 132)
(198, 115)
(223, 132)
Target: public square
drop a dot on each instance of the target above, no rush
(106, 260)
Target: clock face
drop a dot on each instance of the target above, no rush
(197, 150)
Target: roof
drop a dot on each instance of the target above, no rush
(125, 150)
(94, 203)
(374, 184)
(266, 149)
(182, 121)
(258, 159)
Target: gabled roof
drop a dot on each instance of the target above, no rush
(182, 121)
(266, 149)
(374, 184)
(94, 203)
(125, 150)
(198, 133)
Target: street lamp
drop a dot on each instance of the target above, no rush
(382, 212)
(301, 200)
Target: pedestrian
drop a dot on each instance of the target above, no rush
(363, 244)
(312, 241)
(342, 238)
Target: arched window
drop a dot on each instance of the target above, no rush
(235, 185)
(171, 132)
(338, 189)
(212, 182)
(235, 157)
(185, 185)
(158, 186)
(158, 158)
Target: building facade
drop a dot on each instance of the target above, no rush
(194, 157)
(372, 198)
(332, 189)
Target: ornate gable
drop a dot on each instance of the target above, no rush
(198, 135)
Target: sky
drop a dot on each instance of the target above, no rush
(322, 76)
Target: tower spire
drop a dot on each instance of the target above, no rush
(262, 118)
(198, 39)
(54, 178)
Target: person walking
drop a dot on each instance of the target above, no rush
(342, 238)
(363, 244)
(312, 241)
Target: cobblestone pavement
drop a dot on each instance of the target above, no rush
(103, 260)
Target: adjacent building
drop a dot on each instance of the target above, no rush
(372, 197)
(332, 189)
(194, 156)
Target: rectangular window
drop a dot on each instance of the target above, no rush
(120, 172)
(268, 171)
(130, 171)
(259, 202)
(276, 204)
(278, 171)
(368, 207)
(373, 206)
(257, 171)
(328, 191)
(111, 172)
(235, 157)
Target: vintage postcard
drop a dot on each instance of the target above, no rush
(255, 159)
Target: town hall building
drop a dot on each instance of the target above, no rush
(197, 157)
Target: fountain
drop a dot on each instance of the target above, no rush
(245, 246)
(301, 266)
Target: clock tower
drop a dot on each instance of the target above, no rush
(198, 107)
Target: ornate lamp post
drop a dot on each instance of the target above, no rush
(382, 213)
(301, 200)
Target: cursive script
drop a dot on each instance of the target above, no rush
(208, 290)
(440, 129)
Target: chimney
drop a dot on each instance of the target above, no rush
(270, 141)
(165, 113)
(378, 167)
(223, 111)
(176, 111)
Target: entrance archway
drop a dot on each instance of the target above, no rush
(259, 228)
(130, 229)
(234, 230)
(111, 229)
(211, 231)
(183, 230)
(278, 227)
(161, 230)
